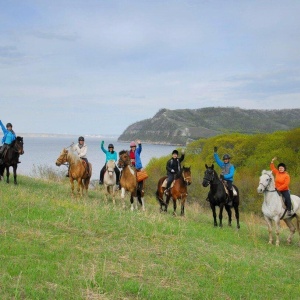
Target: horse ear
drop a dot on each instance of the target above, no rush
(206, 166)
(212, 166)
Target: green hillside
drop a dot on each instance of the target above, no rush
(184, 125)
(57, 247)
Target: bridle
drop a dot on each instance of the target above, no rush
(211, 174)
(267, 185)
(124, 162)
(186, 179)
(18, 147)
(63, 159)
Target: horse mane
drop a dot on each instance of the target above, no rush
(123, 152)
(74, 158)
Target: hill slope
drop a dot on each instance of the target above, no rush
(182, 125)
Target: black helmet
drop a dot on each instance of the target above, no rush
(81, 138)
(8, 125)
(226, 156)
(110, 146)
(282, 165)
(175, 152)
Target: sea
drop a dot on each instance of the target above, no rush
(42, 152)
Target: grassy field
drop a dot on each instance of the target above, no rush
(57, 247)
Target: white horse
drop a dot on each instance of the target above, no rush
(109, 179)
(273, 209)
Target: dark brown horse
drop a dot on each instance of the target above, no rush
(217, 196)
(178, 191)
(77, 170)
(11, 158)
(128, 181)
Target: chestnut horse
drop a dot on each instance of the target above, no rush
(11, 158)
(178, 190)
(77, 170)
(217, 196)
(128, 181)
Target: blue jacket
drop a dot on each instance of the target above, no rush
(9, 136)
(109, 155)
(227, 169)
(138, 162)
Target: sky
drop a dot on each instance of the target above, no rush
(97, 66)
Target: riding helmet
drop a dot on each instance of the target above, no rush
(81, 138)
(226, 156)
(132, 144)
(8, 125)
(282, 165)
(110, 146)
(175, 152)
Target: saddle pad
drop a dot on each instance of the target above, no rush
(164, 184)
(141, 175)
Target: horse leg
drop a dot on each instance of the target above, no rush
(79, 187)
(292, 228)
(7, 174)
(298, 225)
(228, 209)
(174, 206)
(123, 197)
(221, 215)
(269, 224)
(72, 185)
(237, 215)
(213, 208)
(15, 173)
(277, 230)
(113, 194)
(182, 207)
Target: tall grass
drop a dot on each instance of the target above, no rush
(54, 246)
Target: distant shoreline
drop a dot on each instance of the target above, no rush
(57, 135)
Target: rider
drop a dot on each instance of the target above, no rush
(227, 172)
(173, 168)
(81, 150)
(135, 157)
(110, 155)
(8, 138)
(282, 181)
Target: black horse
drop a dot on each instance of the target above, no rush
(217, 196)
(11, 158)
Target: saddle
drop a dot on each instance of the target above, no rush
(283, 201)
(226, 188)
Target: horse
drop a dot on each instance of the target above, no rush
(217, 196)
(110, 179)
(178, 190)
(11, 158)
(128, 181)
(77, 170)
(273, 209)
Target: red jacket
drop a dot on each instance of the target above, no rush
(282, 179)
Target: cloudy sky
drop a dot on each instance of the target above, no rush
(97, 66)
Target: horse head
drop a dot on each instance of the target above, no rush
(19, 145)
(110, 167)
(63, 157)
(209, 175)
(187, 175)
(266, 182)
(124, 159)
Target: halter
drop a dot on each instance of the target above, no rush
(266, 186)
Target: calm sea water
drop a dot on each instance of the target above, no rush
(43, 151)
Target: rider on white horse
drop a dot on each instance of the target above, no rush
(282, 181)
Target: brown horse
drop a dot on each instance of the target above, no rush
(77, 170)
(178, 190)
(128, 181)
(11, 158)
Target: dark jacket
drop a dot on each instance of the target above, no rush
(174, 164)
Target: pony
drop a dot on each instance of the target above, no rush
(273, 209)
(110, 179)
(217, 196)
(77, 170)
(128, 181)
(178, 190)
(11, 158)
